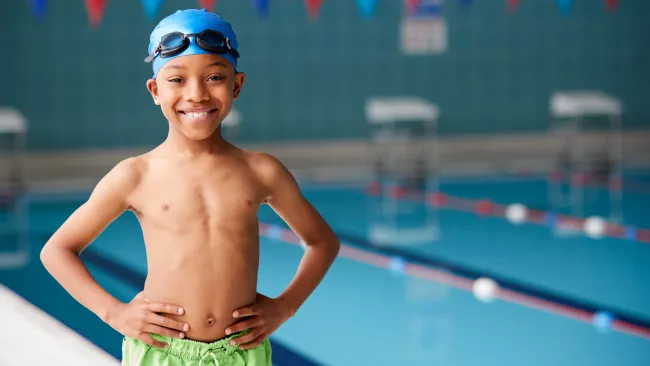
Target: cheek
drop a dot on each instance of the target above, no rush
(223, 90)
(221, 95)
(232, 88)
(169, 100)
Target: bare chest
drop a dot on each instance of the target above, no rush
(182, 201)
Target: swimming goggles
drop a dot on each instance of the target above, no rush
(175, 43)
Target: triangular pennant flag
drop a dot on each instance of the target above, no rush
(95, 10)
(38, 6)
(208, 4)
(412, 6)
(262, 7)
(151, 8)
(313, 7)
(564, 5)
(611, 4)
(512, 5)
(367, 7)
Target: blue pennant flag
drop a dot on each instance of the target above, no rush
(564, 5)
(262, 7)
(367, 7)
(151, 8)
(38, 6)
(427, 9)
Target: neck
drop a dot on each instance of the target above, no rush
(179, 144)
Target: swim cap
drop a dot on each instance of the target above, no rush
(191, 21)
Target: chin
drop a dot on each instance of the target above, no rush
(198, 135)
(196, 132)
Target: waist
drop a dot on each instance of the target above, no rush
(208, 305)
(193, 350)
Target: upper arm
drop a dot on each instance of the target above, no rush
(286, 199)
(108, 201)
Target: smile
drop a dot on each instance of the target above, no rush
(198, 114)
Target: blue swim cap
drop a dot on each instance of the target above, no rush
(191, 21)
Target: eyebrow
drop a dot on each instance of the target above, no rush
(218, 63)
(179, 67)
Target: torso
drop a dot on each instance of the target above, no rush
(199, 221)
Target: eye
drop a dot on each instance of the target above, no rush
(216, 78)
(176, 80)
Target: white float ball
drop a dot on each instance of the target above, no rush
(485, 289)
(595, 226)
(516, 213)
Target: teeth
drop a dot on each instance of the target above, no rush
(196, 114)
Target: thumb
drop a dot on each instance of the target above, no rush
(141, 296)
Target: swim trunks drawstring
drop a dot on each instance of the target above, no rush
(209, 353)
(212, 352)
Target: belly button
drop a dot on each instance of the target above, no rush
(210, 320)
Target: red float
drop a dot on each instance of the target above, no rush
(484, 207)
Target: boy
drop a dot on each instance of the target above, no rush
(196, 197)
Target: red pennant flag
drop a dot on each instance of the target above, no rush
(611, 4)
(512, 5)
(313, 7)
(412, 5)
(95, 10)
(208, 4)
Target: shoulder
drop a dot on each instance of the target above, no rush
(265, 166)
(130, 170)
(274, 176)
(124, 177)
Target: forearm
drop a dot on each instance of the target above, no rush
(312, 269)
(69, 270)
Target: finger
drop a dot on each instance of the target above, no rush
(244, 324)
(167, 323)
(146, 338)
(157, 307)
(157, 329)
(247, 311)
(244, 338)
(254, 343)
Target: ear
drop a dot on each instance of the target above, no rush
(240, 77)
(152, 86)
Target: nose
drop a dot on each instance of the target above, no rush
(197, 92)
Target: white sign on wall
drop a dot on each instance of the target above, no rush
(424, 30)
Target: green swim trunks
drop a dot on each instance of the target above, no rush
(184, 352)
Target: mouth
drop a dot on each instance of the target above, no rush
(199, 114)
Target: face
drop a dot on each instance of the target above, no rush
(196, 92)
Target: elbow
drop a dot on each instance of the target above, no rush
(329, 245)
(45, 255)
(336, 246)
(48, 254)
(54, 248)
